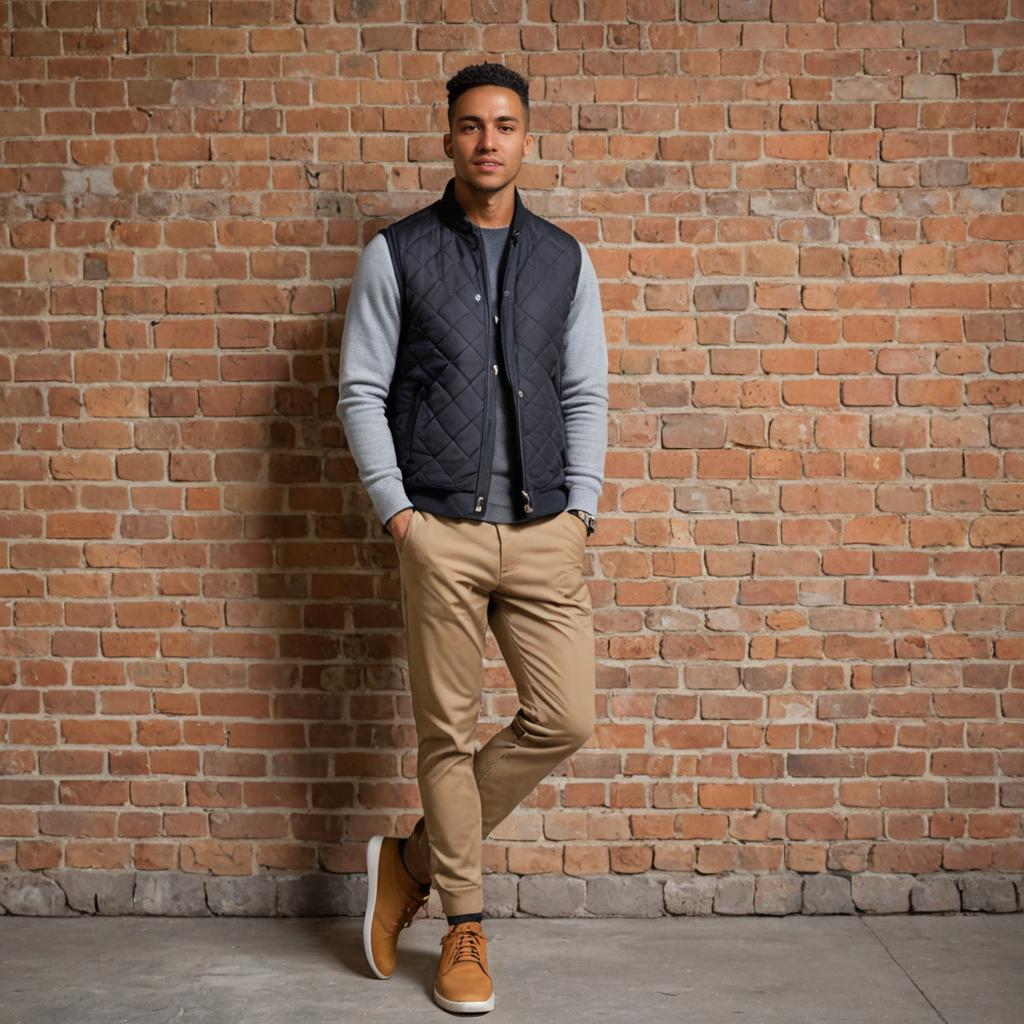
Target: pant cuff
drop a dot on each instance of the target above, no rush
(455, 903)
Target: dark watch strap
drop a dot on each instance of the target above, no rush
(589, 521)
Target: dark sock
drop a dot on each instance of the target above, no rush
(459, 918)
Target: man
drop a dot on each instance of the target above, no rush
(474, 396)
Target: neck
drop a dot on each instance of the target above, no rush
(487, 209)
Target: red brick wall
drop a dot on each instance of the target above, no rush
(808, 221)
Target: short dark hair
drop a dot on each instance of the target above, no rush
(488, 73)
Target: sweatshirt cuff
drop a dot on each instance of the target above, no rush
(581, 497)
(388, 497)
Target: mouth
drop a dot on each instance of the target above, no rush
(487, 165)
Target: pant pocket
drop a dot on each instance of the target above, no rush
(411, 530)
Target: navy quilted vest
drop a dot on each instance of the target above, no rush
(443, 393)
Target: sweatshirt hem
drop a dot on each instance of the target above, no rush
(462, 504)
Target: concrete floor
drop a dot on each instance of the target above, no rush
(910, 969)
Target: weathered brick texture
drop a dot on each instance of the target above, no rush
(808, 578)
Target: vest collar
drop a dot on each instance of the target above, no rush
(456, 218)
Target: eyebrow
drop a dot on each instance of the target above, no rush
(473, 117)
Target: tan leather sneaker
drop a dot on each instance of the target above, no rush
(393, 897)
(463, 982)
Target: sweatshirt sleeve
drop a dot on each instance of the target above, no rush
(369, 346)
(584, 393)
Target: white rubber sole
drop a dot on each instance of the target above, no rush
(479, 1006)
(372, 871)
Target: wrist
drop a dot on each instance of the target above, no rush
(394, 516)
(590, 521)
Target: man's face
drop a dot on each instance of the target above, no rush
(487, 126)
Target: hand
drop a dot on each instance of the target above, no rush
(398, 524)
(583, 525)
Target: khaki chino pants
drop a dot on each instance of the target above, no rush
(525, 580)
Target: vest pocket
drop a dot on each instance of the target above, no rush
(560, 440)
(556, 472)
(414, 415)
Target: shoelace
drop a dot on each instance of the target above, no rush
(467, 946)
(411, 906)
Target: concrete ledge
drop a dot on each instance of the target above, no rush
(75, 893)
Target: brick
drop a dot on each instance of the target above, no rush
(881, 894)
(97, 892)
(317, 895)
(721, 297)
(778, 894)
(988, 893)
(624, 896)
(827, 894)
(32, 895)
(249, 896)
(169, 894)
(735, 894)
(693, 896)
(500, 894)
(935, 893)
(552, 896)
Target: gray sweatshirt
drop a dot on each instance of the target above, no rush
(368, 351)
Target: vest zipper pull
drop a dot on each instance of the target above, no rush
(479, 504)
